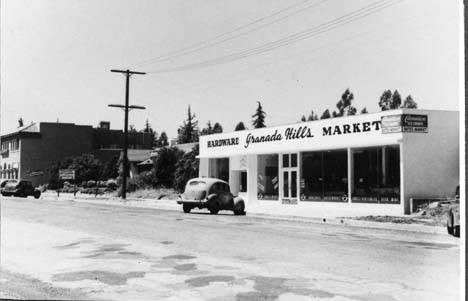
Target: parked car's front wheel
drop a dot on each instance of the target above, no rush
(456, 231)
(239, 208)
(186, 208)
(449, 230)
(37, 194)
(214, 208)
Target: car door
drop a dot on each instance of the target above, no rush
(214, 190)
(225, 196)
(29, 189)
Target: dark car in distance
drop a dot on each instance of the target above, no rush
(211, 193)
(21, 188)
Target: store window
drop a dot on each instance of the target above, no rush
(243, 181)
(219, 168)
(376, 175)
(267, 173)
(325, 176)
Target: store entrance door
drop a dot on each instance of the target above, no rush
(289, 176)
(290, 184)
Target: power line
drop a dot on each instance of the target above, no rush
(306, 34)
(194, 47)
(322, 28)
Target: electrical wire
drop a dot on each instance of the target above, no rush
(306, 34)
(194, 47)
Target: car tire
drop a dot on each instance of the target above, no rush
(239, 208)
(214, 208)
(37, 194)
(456, 231)
(186, 208)
(449, 230)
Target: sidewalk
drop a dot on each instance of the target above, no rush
(312, 213)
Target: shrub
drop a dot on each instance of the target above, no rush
(111, 184)
(186, 168)
(166, 160)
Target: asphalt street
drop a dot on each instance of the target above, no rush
(64, 249)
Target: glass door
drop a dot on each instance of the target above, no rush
(289, 175)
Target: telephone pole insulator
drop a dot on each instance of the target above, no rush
(126, 108)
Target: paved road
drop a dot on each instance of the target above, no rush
(114, 252)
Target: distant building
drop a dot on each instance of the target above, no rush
(31, 151)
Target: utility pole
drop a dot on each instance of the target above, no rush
(126, 108)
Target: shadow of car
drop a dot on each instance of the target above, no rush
(211, 193)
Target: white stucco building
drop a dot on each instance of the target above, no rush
(372, 161)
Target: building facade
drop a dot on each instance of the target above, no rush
(31, 151)
(371, 162)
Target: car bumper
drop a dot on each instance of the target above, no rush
(191, 202)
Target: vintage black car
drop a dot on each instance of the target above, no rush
(21, 188)
(213, 194)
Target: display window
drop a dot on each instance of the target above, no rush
(324, 176)
(219, 168)
(376, 175)
(267, 177)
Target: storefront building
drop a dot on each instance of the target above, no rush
(379, 160)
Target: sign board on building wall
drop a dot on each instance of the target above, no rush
(328, 133)
(406, 123)
(67, 174)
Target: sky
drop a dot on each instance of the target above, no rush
(56, 58)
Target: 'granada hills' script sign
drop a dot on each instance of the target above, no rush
(300, 132)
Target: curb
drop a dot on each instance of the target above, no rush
(292, 218)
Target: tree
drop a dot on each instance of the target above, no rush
(312, 116)
(208, 130)
(364, 111)
(240, 127)
(409, 103)
(162, 140)
(188, 131)
(385, 100)
(351, 111)
(147, 128)
(111, 169)
(217, 128)
(396, 100)
(166, 159)
(390, 101)
(259, 117)
(132, 129)
(335, 114)
(325, 114)
(186, 168)
(344, 105)
(303, 118)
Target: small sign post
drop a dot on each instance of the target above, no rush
(67, 174)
